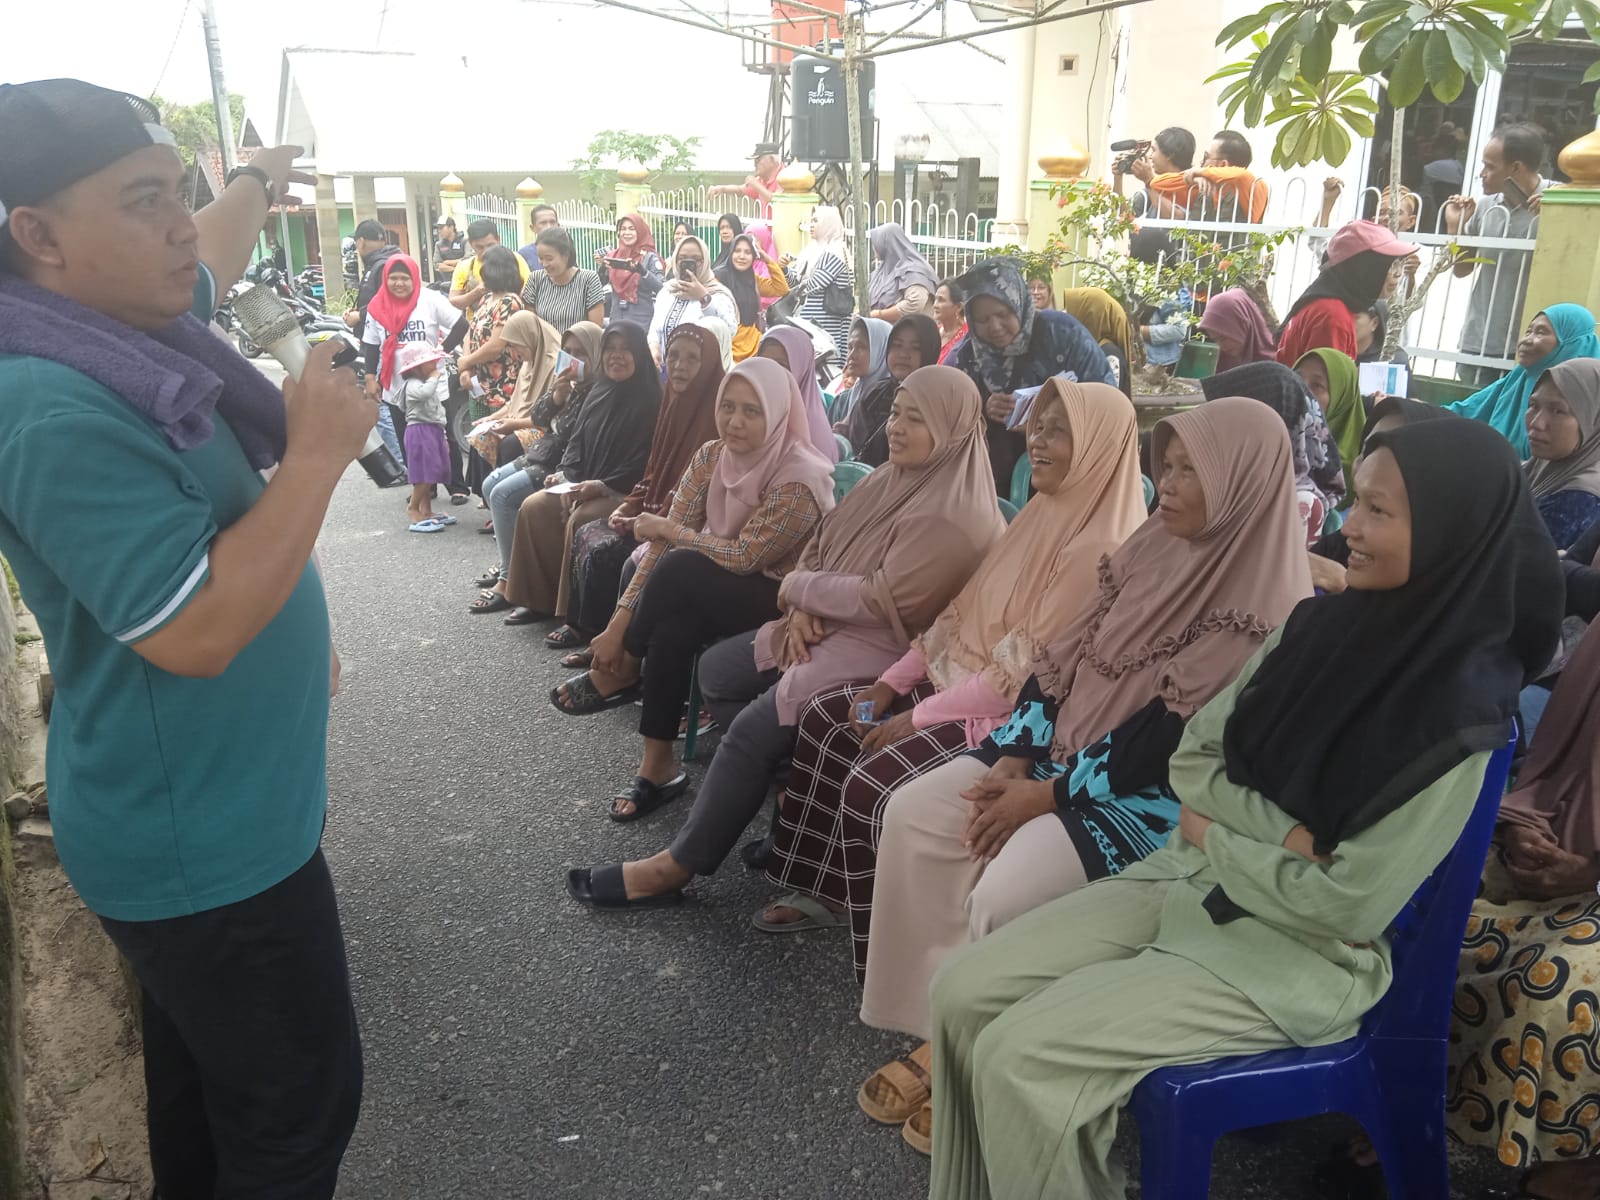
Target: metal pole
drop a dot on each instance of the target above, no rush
(219, 88)
(858, 195)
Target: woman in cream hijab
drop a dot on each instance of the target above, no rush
(959, 680)
(692, 294)
(534, 344)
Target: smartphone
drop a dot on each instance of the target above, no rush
(617, 264)
(864, 714)
(685, 271)
(1512, 188)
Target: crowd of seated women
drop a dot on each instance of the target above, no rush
(1115, 750)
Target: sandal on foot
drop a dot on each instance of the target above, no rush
(602, 887)
(565, 638)
(646, 797)
(522, 615)
(584, 698)
(814, 915)
(488, 602)
(704, 724)
(578, 660)
(488, 579)
(487, 527)
(459, 498)
(443, 518)
(755, 853)
(918, 1131)
(894, 1093)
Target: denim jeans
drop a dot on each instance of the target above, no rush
(387, 432)
(505, 488)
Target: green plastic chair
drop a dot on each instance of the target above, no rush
(846, 475)
(1333, 522)
(1149, 490)
(1021, 481)
(1008, 510)
(846, 450)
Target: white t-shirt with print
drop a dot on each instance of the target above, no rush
(431, 322)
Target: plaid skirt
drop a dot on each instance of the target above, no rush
(826, 843)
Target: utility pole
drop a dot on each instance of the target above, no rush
(219, 88)
(858, 197)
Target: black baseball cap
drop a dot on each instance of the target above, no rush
(372, 231)
(765, 148)
(54, 132)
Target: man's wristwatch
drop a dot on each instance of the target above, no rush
(258, 175)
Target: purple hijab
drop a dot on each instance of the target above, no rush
(175, 377)
(802, 356)
(1234, 314)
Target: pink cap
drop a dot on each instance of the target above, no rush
(414, 354)
(1366, 235)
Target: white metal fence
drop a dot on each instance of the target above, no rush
(591, 228)
(486, 206)
(1433, 335)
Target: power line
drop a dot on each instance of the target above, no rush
(172, 49)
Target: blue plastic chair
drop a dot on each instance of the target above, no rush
(845, 448)
(846, 475)
(1021, 481)
(1008, 510)
(1390, 1076)
(1149, 490)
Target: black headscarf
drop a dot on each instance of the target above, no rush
(1357, 282)
(611, 438)
(738, 227)
(741, 283)
(870, 418)
(1372, 696)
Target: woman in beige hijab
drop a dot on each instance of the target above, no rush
(959, 680)
(535, 345)
(692, 294)
(881, 567)
(1072, 788)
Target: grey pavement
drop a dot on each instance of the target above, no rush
(519, 1046)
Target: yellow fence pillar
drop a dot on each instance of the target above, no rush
(1566, 258)
(530, 192)
(791, 210)
(453, 201)
(632, 190)
(1064, 173)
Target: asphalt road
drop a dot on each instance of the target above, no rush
(518, 1046)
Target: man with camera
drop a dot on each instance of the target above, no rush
(1159, 164)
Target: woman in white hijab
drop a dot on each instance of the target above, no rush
(693, 294)
(823, 277)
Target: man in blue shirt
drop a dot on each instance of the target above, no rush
(187, 629)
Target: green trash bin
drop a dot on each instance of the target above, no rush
(1197, 360)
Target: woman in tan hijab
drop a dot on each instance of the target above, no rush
(959, 680)
(882, 566)
(535, 345)
(1052, 800)
(1098, 311)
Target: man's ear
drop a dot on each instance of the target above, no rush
(33, 230)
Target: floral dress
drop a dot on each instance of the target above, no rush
(499, 375)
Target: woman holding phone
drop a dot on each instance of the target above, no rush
(693, 294)
(635, 272)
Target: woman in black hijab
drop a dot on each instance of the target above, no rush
(914, 342)
(605, 456)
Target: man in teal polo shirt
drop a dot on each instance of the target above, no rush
(187, 629)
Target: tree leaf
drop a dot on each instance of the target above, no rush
(1490, 33)
(1335, 140)
(1235, 32)
(1340, 12)
(1554, 19)
(1315, 57)
(1361, 124)
(1437, 60)
(1268, 73)
(1592, 73)
(1407, 77)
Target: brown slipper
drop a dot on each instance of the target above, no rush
(918, 1131)
(894, 1093)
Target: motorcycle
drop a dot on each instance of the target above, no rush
(786, 312)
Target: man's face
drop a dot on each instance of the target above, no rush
(545, 220)
(1494, 173)
(482, 246)
(120, 241)
(365, 246)
(767, 165)
(447, 232)
(1214, 157)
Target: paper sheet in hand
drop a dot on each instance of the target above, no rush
(1391, 379)
(562, 488)
(1022, 400)
(565, 360)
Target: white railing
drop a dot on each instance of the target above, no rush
(1432, 337)
(486, 206)
(700, 212)
(591, 228)
(951, 241)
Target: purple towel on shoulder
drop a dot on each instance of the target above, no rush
(176, 377)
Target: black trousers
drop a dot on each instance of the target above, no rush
(687, 603)
(459, 399)
(252, 1058)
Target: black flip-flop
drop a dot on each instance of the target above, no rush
(647, 797)
(488, 602)
(459, 497)
(488, 528)
(602, 887)
(565, 638)
(755, 853)
(578, 660)
(583, 698)
(522, 616)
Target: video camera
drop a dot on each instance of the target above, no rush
(1127, 151)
